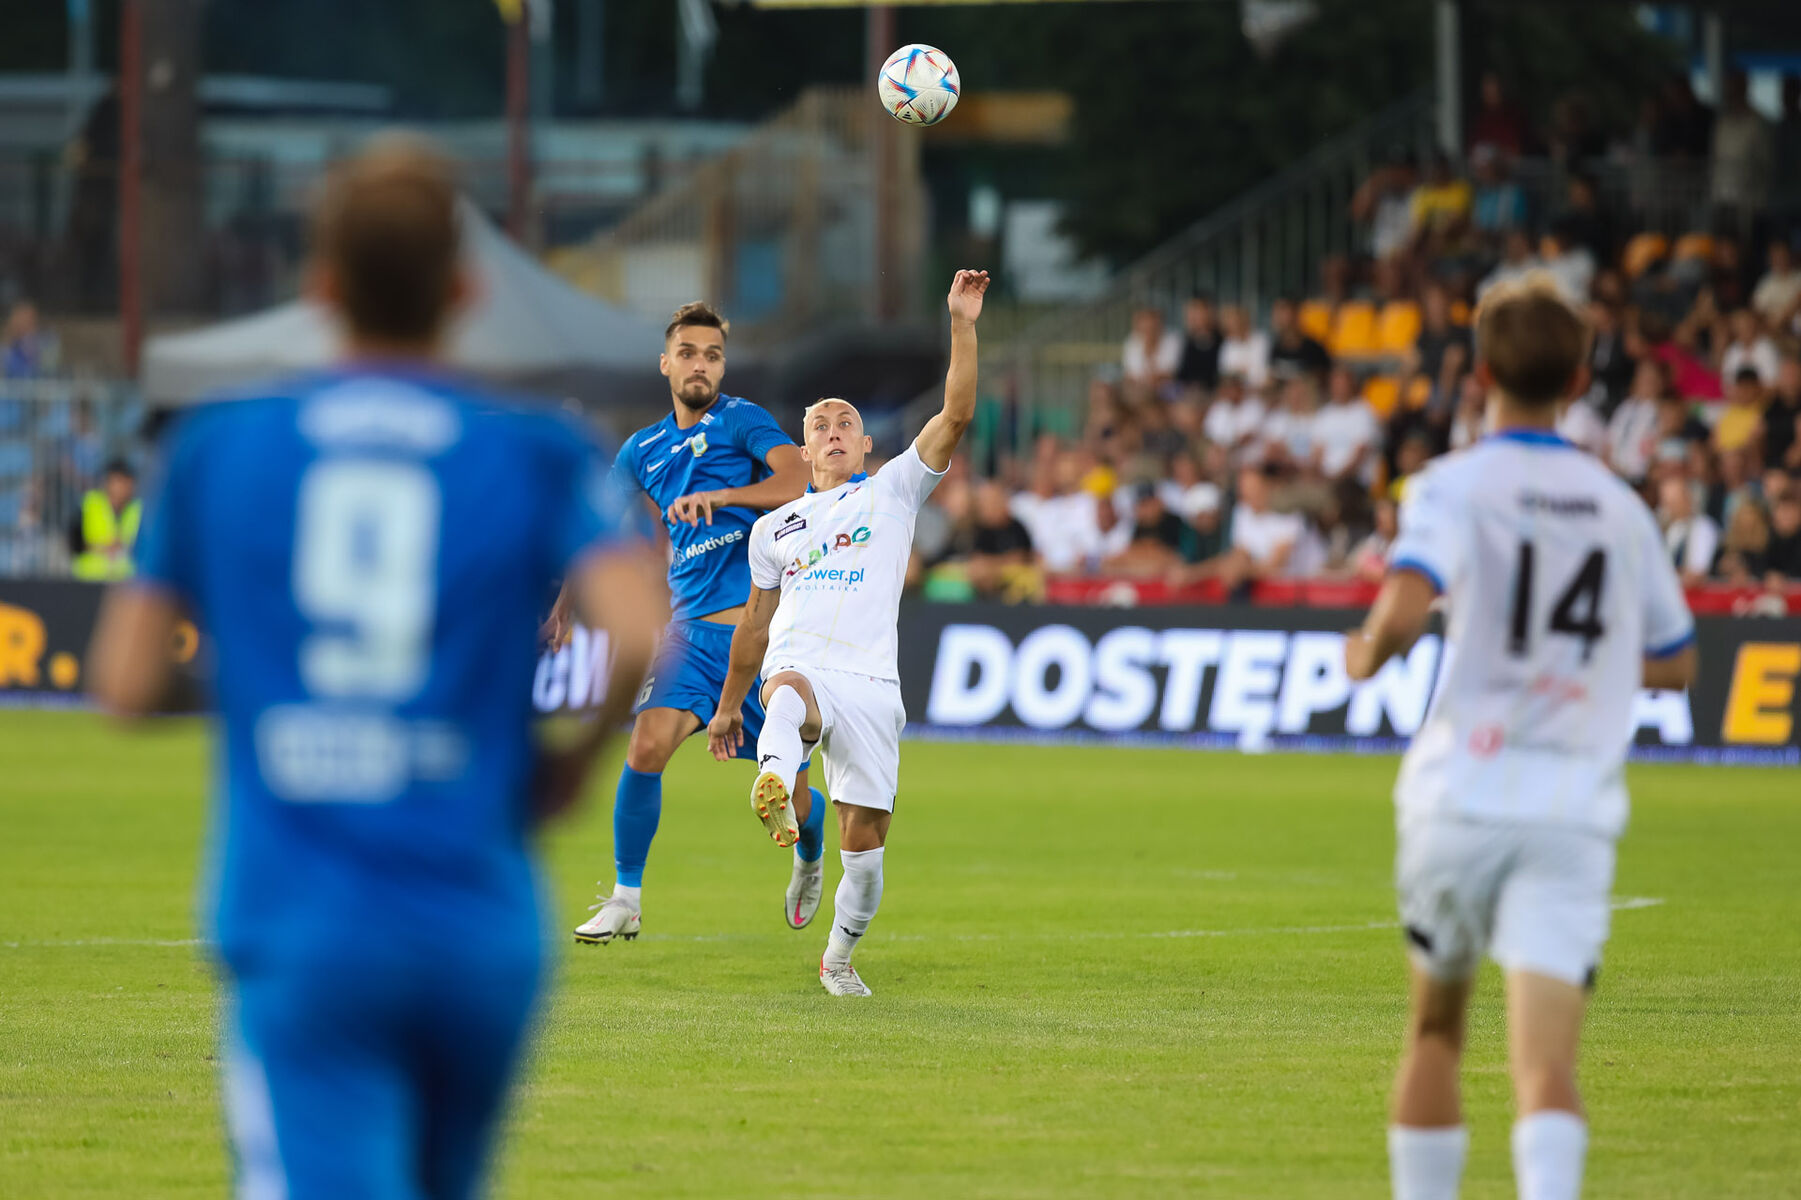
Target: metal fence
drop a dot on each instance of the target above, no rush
(56, 437)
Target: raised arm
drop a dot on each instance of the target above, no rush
(725, 734)
(938, 440)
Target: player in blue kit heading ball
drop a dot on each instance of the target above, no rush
(711, 467)
(366, 548)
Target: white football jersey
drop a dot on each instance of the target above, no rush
(840, 558)
(1556, 587)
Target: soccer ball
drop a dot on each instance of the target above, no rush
(919, 85)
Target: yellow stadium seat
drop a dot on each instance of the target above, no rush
(1398, 328)
(1354, 333)
(1316, 320)
(1642, 251)
(1382, 393)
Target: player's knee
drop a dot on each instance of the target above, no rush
(1546, 1086)
(1439, 1018)
(649, 750)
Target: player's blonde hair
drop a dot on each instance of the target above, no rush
(1532, 339)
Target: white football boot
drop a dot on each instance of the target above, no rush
(770, 801)
(805, 886)
(841, 981)
(613, 918)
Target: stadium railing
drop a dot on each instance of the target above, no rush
(56, 437)
(779, 229)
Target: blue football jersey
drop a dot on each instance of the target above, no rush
(727, 448)
(368, 551)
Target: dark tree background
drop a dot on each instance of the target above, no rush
(1175, 112)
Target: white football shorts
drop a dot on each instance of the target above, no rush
(862, 718)
(1535, 897)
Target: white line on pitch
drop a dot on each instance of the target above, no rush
(1622, 904)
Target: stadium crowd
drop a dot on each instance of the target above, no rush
(1229, 449)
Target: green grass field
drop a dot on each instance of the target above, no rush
(1097, 973)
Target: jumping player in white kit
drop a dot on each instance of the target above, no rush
(1560, 604)
(822, 624)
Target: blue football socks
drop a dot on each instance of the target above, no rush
(637, 807)
(812, 831)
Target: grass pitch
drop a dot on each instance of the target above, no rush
(1097, 973)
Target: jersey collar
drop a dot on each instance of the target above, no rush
(1532, 437)
(859, 477)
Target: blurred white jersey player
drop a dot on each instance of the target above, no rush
(1560, 604)
(822, 626)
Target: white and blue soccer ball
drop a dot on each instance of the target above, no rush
(919, 85)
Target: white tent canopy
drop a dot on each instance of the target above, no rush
(525, 321)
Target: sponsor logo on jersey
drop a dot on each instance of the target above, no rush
(842, 541)
(792, 523)
(698, 444)
(711, 544)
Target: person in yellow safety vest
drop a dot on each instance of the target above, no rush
(104, 531)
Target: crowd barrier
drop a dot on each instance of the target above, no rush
(1252, 678)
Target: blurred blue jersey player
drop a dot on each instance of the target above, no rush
(711, 468)
(367, 548)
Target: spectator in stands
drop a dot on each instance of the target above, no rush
(1442, 351)
(1000, 553)
(103, 532)
(1517, 262)
(1499, 203)
(1369, 561)
(1063, 519)
(1574, 138)
(1263, 540)
(1235, 419)
(1783, 557)
(1782, 418)
(1187, 491)
(1411, 457)
(1690, 537)
(1151, 353)
(27, 350)
(1689, 376)
(1745, 548)
(1346, 435)
(1586, 220)
(1748, 348)
(1500, 125)
(1158, 542)
(87, 449)
(1245, 352)
(1610, 367)
(1568, 261)
(1741, 420)
(1440, 206)
(1287, 437)
(1777, 298)
(1581, 424)
(1385, 203)
(1291, 351)
(1744, 152)
(1470, 420)
(1199, 364)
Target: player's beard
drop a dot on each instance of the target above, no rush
(697, 395)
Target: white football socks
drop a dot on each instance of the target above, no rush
(853, 908)
(1548, 1149)
(1426, 1164)
(779, 748)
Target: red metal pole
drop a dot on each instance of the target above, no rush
(130, 165)
(519, 167)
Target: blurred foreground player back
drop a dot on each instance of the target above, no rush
(367, 549)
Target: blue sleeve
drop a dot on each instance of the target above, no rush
(755, 432)
(590, 510)
(167, 536)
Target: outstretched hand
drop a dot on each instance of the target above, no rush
(965, 300)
